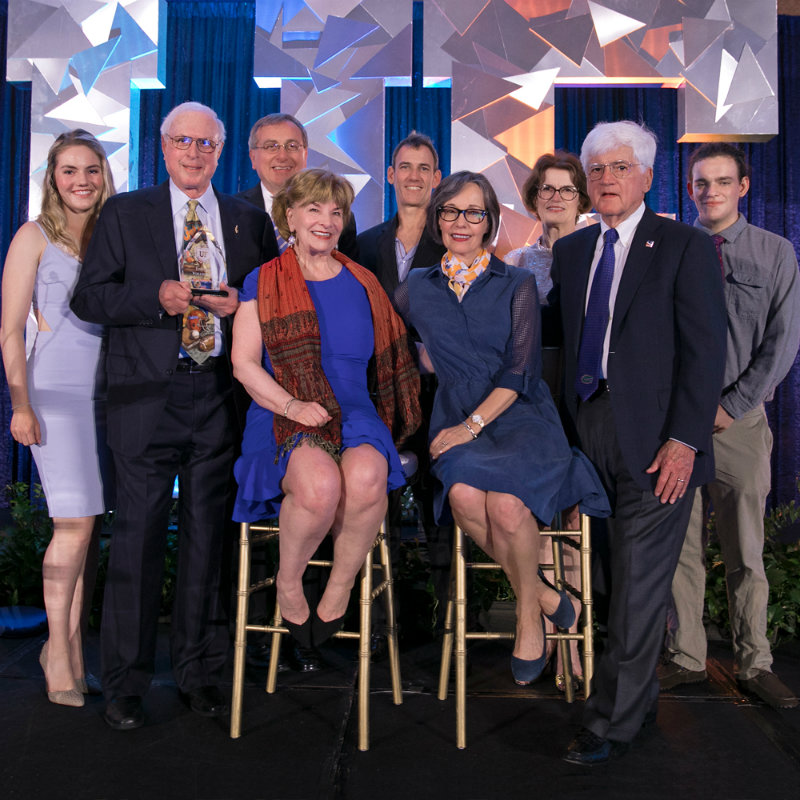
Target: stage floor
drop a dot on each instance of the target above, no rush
(710, 740)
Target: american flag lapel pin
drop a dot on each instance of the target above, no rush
(236, 231)
(649, 243)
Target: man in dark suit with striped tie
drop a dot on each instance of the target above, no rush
(278, 147)
(644, 346)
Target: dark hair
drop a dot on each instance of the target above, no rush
(311, 186)
(713, 149)
(416, 140)
(558, 160)
(449, 188)
(275, 119)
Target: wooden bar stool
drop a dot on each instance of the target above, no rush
(455, 626)
(261, 534)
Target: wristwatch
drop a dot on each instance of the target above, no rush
(478, 420)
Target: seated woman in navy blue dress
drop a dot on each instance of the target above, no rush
(318, 451)
(500, 452)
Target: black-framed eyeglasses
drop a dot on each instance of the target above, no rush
(451, 214)
(274, 147)
(619, 169)
(185, 142)
(545, 191)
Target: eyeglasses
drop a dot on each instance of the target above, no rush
(545, 191)
(185, 142)
(273, 147)
(619, 169)
(451, 214)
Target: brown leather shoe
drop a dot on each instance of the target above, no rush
(671, 675)
(770, 688)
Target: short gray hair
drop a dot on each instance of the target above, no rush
(275, 119)
(192, 106)
(607, 136)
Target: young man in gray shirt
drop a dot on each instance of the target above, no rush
(762, 297)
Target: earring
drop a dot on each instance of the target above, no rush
(291, 240)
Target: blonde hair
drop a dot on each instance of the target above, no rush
(311, 186)
(52, 217)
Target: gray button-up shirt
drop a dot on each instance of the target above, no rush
(762, 296)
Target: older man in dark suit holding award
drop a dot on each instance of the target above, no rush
(644, 343)
(158, 273)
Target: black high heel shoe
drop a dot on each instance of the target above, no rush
(300, 632)
(321, 631)
(564, 616)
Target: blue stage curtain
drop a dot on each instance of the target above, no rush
(772, 203)
(15, 140)
(404, 114)
(209, 60)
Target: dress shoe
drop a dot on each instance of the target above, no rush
(564, 616)
(300, 632)
(770, 688)
(527, 671)
(124, 713)
(588, 749)
(65, 697)
(378, 647)
(671, 675)
(207, 701)
(321, 631)
(304, 659)
(258, 655)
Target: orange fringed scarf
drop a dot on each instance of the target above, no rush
(290, 330)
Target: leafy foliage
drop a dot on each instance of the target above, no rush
(782, 566)
(22, 547)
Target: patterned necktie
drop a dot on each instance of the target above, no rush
(197, 335)
(590, 355)
(282, 243)
(718, 239)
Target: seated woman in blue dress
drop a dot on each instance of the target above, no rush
(500, 452)
(315, 338)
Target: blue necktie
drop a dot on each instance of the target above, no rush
(282, 243)
(590, 355)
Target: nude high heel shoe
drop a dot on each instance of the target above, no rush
(68, 697)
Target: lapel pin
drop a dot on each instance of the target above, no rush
(236, 230)
(649, 243)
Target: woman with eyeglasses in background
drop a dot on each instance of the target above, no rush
(499, 451)
(555, 193)
(57, 392)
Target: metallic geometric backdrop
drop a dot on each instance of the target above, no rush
(332, 59)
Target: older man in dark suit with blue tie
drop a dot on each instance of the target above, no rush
(644, 344)
(159, 273)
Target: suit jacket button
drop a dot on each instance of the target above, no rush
(170, 371)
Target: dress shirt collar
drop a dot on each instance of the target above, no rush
(731, 233)
(626, 228)
(267, 195)
(207, 201)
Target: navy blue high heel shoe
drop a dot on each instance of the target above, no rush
(527, 671)
(564, 616)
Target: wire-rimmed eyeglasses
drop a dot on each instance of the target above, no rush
(619, 169)
(185, 142)
(451, 214)
(273, 147)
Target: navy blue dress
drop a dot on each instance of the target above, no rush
(489, 340)
(347, 343)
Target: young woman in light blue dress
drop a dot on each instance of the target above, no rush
(55, 391)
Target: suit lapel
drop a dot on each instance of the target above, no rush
(230, 230)
(578, 265)
(159, 223)
(643, 250)
(387, 257)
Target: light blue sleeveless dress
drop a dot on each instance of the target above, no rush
(66, 389)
